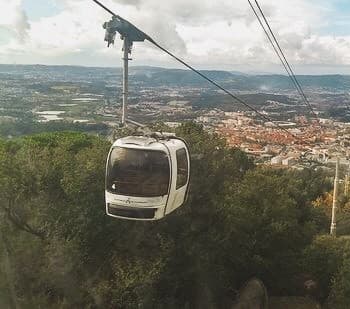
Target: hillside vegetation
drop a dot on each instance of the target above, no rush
(58, 249)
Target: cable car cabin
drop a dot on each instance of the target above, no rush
(146, 178)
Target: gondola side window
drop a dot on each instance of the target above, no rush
(182, 168)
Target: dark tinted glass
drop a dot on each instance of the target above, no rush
(136, 172)
(182, 168)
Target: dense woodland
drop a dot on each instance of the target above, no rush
(58, 249)
(28, 125)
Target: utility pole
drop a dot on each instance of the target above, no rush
(347, 182)
(346, 185)
(335, 200)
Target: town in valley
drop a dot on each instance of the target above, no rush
(294, 137)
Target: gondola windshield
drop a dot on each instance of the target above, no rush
(138, 172)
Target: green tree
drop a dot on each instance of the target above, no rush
(339, 297)
(322, 260)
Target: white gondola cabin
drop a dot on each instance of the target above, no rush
(146, 177)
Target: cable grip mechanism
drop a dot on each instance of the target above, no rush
(126, 30)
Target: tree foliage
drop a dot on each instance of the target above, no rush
(239, 221)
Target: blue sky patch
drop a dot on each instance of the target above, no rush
(35, 9)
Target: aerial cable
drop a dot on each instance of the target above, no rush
(147, 37)
(273, 46)
(280, 49)
(294, 79)
(212, 82)
(278, 46)
(285, 62)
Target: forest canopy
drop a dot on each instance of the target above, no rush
(60, 250)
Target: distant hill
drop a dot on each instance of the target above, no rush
(177, 77)
(157, 76)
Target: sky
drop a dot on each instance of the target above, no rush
(220, 34)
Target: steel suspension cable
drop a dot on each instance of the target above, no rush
(273, 45)
(285, 62)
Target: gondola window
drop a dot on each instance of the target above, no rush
(182, 168)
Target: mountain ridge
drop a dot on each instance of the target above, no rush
(174, 77)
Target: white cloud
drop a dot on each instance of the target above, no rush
(214, 34)
(13, 19)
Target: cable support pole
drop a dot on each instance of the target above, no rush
(126, 50)
(287, 63)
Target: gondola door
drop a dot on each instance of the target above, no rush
(180, 178)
